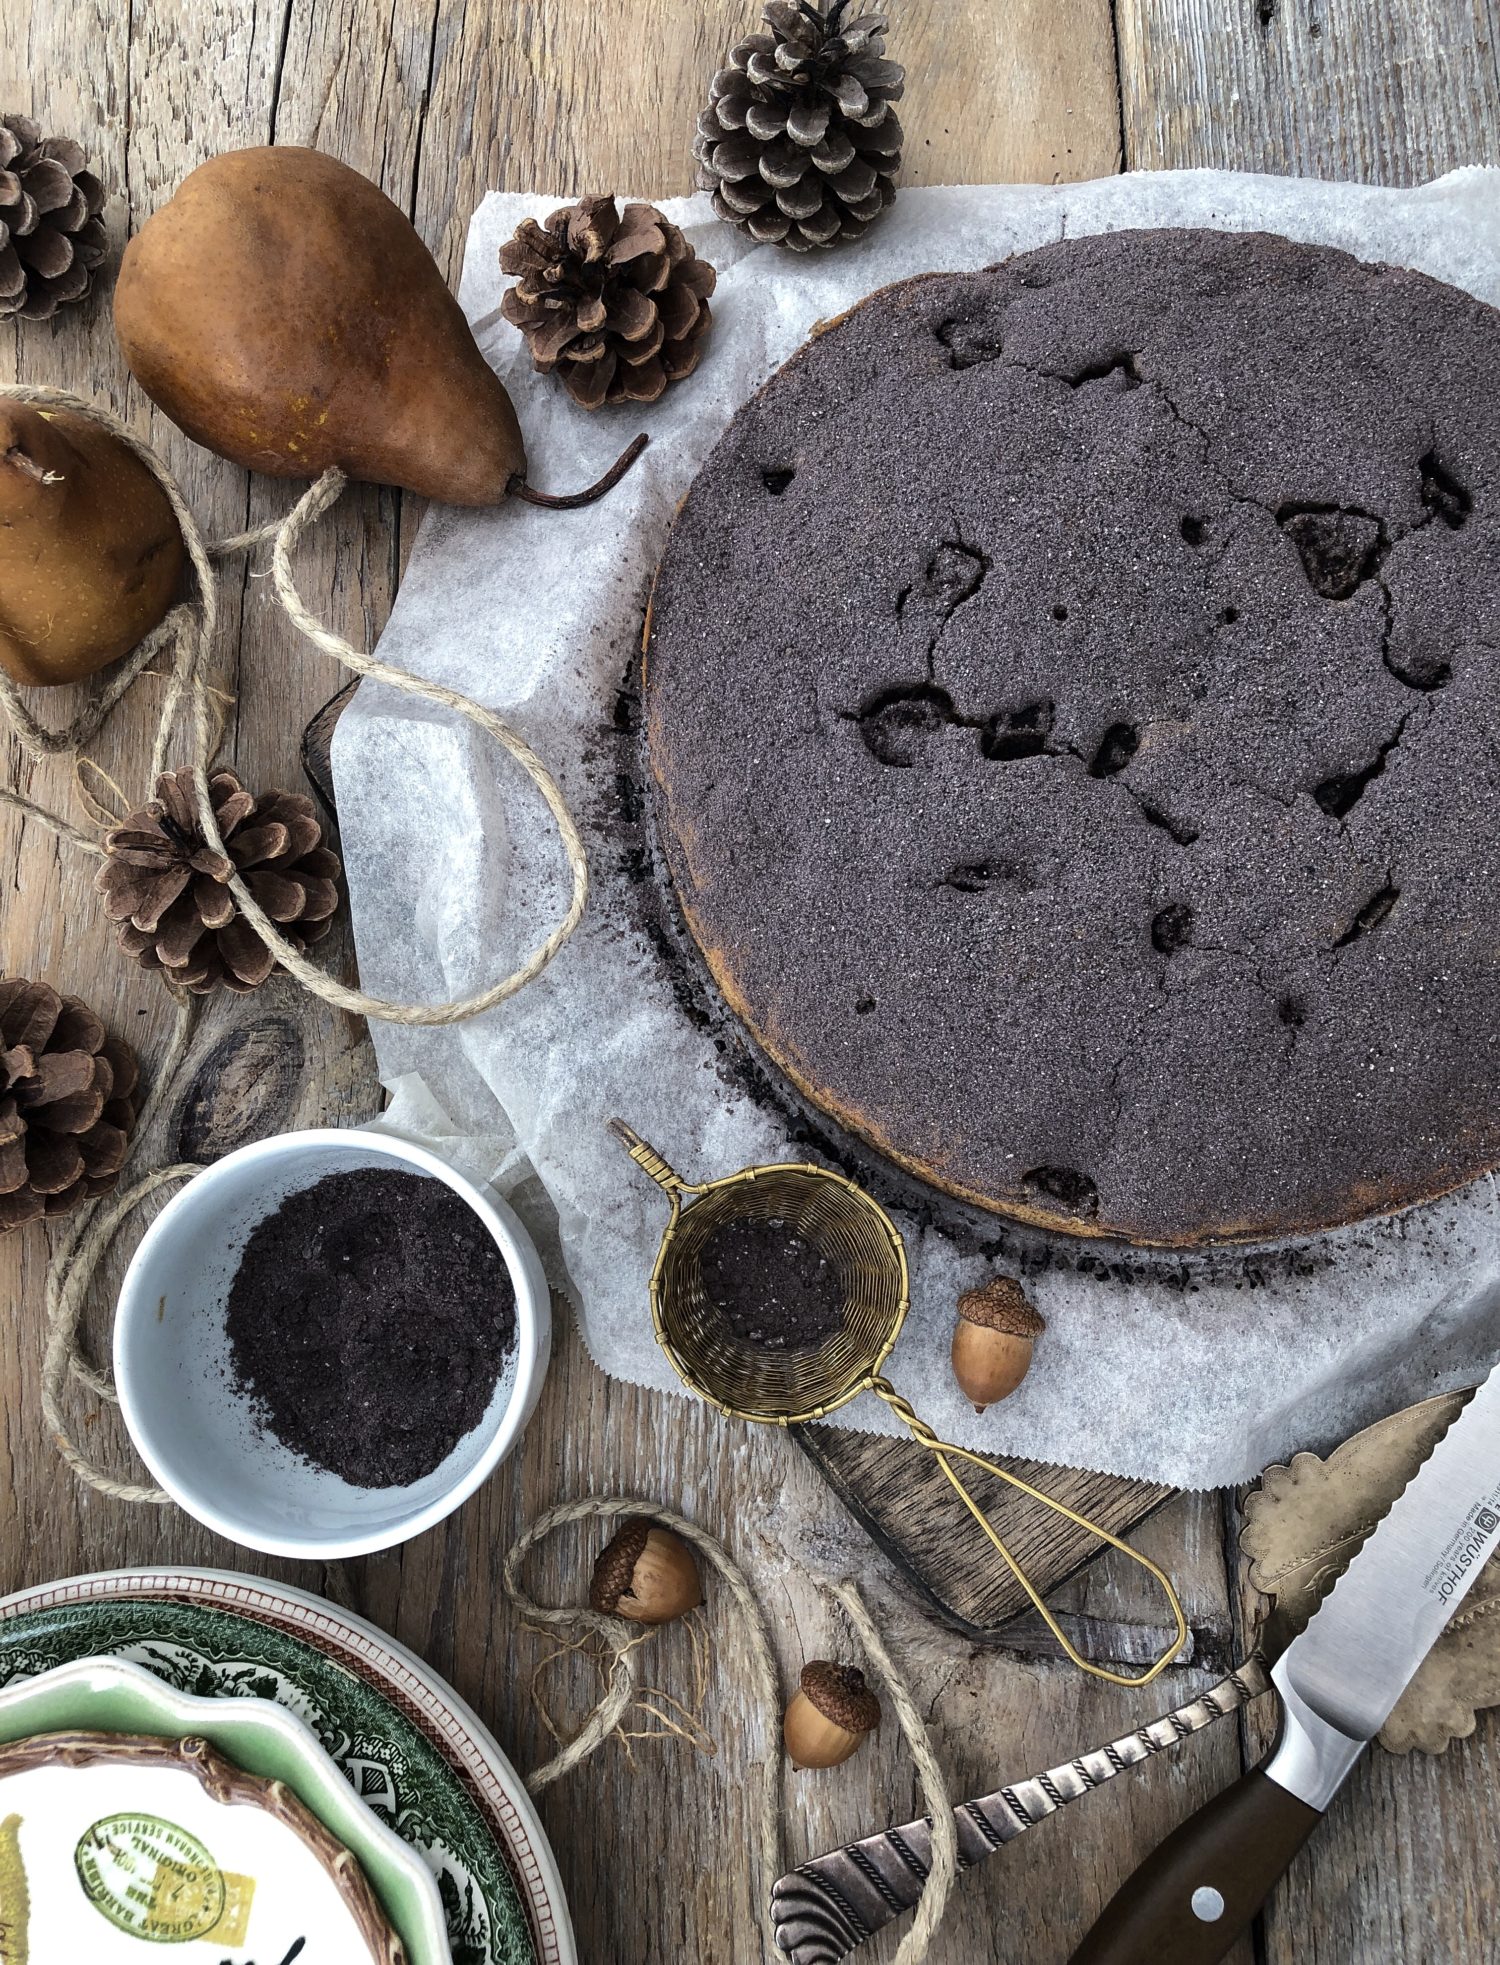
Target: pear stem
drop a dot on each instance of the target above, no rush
(25, 462)
(568, 501)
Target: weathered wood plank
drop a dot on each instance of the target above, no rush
(576, 99)
(902, 1497)
(188, 82)
(1314, 88)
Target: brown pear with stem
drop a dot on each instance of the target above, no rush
(91, 554)
(286, 314)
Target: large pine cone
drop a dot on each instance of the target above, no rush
(799, 143)
(615, 303)
(67, 1103)
(170, 892)
(51, 234)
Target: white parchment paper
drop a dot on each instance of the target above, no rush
(1194, 1375)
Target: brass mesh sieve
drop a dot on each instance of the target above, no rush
(748, 1381)
(862, 1248)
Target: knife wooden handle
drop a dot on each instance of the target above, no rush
(1195, 1894)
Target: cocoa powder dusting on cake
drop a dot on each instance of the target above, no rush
(369, 1322)
(1070, 703)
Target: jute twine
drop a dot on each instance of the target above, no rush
(185, 639)
(188, 633)
(744, 1650)
(76, 1256)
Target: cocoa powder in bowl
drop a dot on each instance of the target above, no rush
(369, 1321)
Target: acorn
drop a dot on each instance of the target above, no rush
(993, 1340)
(645, 1573)
(833, 1711)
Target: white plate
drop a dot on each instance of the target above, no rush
(110, 1695)
(412, 1747)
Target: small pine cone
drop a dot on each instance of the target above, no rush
(616, 303)
(67, 1103)
(51, 233)
(170, 894)
(799, 143)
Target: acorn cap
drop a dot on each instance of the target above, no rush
(1003, 1305)
(840, 1694)
(616, 1565)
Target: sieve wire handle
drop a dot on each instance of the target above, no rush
(648, 1159)
(945, 1452)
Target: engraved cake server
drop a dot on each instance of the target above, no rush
(825, 1908)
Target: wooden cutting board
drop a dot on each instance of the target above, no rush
(898, 1493)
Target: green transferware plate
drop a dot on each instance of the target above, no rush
(408, 1745)
(111, 1695)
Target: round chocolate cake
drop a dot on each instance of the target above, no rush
(1073, 700)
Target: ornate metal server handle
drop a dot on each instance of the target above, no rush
(828, 1906)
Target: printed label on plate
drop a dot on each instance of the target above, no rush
(234, 1926)
(151, 1879)
(15, 1898)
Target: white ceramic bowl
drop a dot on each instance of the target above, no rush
(198, 1433)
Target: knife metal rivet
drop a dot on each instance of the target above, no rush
(1208, 1905)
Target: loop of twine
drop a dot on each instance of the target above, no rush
(747, 1654)
(681, 1720)
(100, 697)
(188, 630)
(933, 1902)
(77, 1255)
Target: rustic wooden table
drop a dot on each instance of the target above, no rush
(439, 100)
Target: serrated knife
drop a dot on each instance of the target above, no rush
(1191, 1899)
